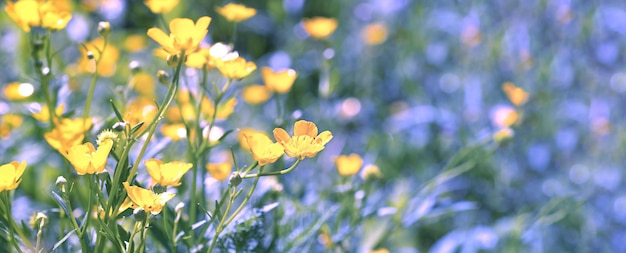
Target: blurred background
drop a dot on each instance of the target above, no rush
(407, 85)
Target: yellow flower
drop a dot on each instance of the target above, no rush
(144, 84)
(161, 6)
(219, 171)
(185, 35)
(18, 91)
(87, 160)
(320, 27)
(224, 109)
(67, 133)
(8, 122)
(374, 34)
(516, 95)
(281, 81)
(255, 94)
(379, 251)
(236, 12)
(51, 14)
(305, 141)
(175, 132)
(236, 68)
(241, 137)
(108, 63)
(44, 115)
(140, 109)
(197, 59)
(135, 42)
(503, 135)
(166, 174)
(11, 175)
(348, 165)
(145, 199)
(371, 171)
(263, 149)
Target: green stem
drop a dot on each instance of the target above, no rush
(44, 79)
(144, 234)
(79, 231)
(94, 79)
(130, 244)
(274, 173)
(9, 218)
(245, 201)
(221, 225)
(279, 113)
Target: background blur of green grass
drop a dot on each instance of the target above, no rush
(428, 91)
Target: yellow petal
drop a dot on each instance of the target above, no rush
(79, 157)
(99, 158)
(153, 167)
(303, 127)
(160, 37)
(324, 138)
(281, 136)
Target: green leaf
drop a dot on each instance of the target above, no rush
(60, 242)
(116, 111)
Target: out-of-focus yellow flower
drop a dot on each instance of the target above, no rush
(320, 27)
(241, 137)
(255, 94)
(348, 165)
(147, 200)
(140, 109)
(305, 141)
(236, 12)
(175, 131)
(516, 95)
(505, 117)
(87, 160)
(108, 63)
(144, 84)
(51, 14)
(280, 81)
(224, 109)
(166, 174)
(263, 149)
(8, 122)
(371, 171)
(18, 91)
(219, 171)
(379, 251)
(197, 59)
(161, 6)
(135, 42)
(374, 34)
(44, 115)
(68, 133)
(184, 35)
(236, 68)
(11, 175)
(503, 135)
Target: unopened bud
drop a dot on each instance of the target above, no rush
(134, 66)
(172, 60)
(39, 64)
(61, 182)
(179, 207)
(157, 188)
(164, 77)
(90, 55)
(37, 45)
(235, 178)
(139, 214)
(119, 126)
(104, 28)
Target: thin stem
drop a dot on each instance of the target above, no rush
(245, 201)
(78, 229)
(279, 113)
(144, 234)
(221, 225)
(274, 173)
(94, 79)
(132, 236)
(9, 218)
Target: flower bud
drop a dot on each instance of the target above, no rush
(157, 188)
(164, 77)
(90, 55)
(119, 126)
(37, 45)
(134, 66)
(235, 178)
(104, 28)
(179, 207)
(139, 214)
(39, 64)
(61, 182)
(172, 60)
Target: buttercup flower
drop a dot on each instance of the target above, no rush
(51, 14)
(166, 174)
(8, 122)
(348, 165)
(236, 12)
(241, 137)
(371, 171)
(146, 200)
(144, 84)
(224, 109)
(11, 175)
(263, 149)
(320, 27)
(255, 94)
(44, 115)
(68, 133)
(184, 35)
(108, 63)
(236, 68)
(18, 91)
(161, 6)
(374, 34)
(516, 95)
(305, 141)
(140, 109)
(175, 131)
(87, 160)
(219, 171)
(281, 81)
